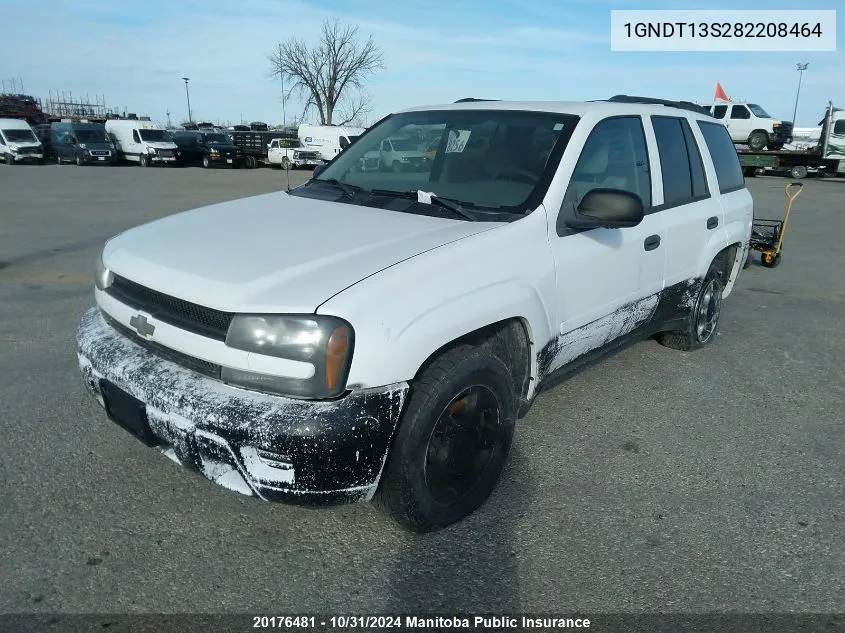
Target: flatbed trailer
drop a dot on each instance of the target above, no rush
(828, 157)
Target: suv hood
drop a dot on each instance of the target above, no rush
(23, 144)
(275, 252)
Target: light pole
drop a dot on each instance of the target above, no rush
(801, 68)
(188, 95)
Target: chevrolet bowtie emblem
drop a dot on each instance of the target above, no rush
(141, 325)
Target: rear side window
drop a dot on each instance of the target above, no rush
(680, 162)
(725, 159)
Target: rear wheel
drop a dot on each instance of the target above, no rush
(798, 172)
(758, 140)
(453, 441)
(703, 321)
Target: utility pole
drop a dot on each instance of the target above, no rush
(800, 68)
(188, 95)
(168, 119)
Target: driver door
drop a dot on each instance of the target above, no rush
(607, 280)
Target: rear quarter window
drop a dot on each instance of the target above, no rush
(725, 159)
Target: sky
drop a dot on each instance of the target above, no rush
(136, 53)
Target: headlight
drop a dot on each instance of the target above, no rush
(296, 154)
(14, 150)
(151, 150)
(82, 146)
(103, 277)
(325, 342)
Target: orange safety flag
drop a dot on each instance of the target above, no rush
(720, 94)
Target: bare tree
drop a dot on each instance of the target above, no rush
(327, 74)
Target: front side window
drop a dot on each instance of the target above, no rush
(720, 111)
(135, 136)
(217, 138)
(839, 127)
(344, 142)
(91, 136)
(614, 157)
(740, 112)
(485, 159)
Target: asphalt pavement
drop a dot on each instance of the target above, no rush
(656, 480)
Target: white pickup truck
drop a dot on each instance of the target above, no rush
(290, 153)
(377, 334)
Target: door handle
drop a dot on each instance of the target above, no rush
(713, 222)
(651, 242)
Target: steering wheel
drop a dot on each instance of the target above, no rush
(520, 175)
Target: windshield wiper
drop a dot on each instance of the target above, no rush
(435, 199)
(348, 190)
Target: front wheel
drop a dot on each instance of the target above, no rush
(206, 163)
(79, 161)
(285, 163)
(453, 441)
(703, 321)
(143, 160)
(758, 140)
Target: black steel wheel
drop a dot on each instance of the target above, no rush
(453, 440)
(758, 140)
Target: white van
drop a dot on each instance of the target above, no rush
(328, 140)
(18, 142)
(142, 142)
(749, 124)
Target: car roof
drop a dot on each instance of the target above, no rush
(578, 108)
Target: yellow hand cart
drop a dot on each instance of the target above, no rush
(767, 235)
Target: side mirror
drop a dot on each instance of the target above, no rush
(609, 209)
(319, 169)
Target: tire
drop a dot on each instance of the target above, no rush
(770, 261)
(749, 172)
(79, 161)
(440, 399)
(206, 163)
(143, 161)
(700, 329)
(285, 163)
(58, 159)
(396, 167)
(758, 140)
(798, 172)
(10, 160)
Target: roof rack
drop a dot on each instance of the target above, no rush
(471, 99)
(683, 105)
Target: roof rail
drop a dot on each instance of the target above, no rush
(471, 99)
(683, 105)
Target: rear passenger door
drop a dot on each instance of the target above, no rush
(690, 216)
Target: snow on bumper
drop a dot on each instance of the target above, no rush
(272, 447)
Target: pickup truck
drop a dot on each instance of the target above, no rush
(379, 335)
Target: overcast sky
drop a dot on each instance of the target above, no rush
(135, 53)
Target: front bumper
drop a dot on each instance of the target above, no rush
(320, 452)
(26, 158)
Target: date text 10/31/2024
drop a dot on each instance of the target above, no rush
(417, 622)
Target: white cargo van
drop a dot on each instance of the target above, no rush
(18, 142)
(328, 140)
(749, 124)
(142, 142)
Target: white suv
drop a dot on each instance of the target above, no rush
(377, 335)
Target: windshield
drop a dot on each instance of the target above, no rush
(217, 139)
(493, 159)
(19, 136)
(758, 111)
(154, 136)
(91, 136)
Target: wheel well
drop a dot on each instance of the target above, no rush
(508, 341)
(766, 132)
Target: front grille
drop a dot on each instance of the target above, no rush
(308, 155)
(29, 150)
(212, 370)
(165, 153)
(177, 312)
